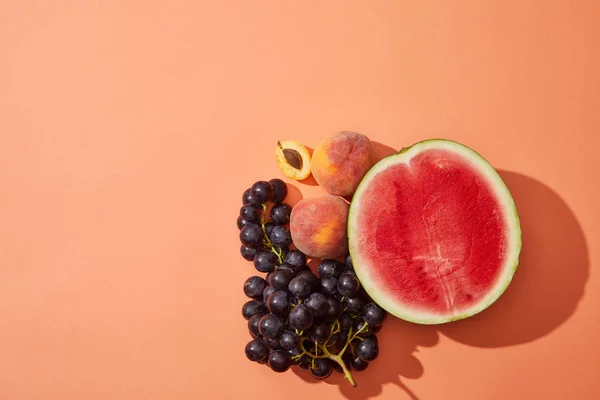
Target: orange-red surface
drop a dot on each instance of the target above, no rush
(129, 129)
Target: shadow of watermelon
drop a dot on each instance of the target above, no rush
(550, 279)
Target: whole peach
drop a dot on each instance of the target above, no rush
(318, 226)
(340, 162)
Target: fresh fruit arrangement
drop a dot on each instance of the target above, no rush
(322, 323)
(431, 235)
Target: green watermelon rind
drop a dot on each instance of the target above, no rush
(513, 226)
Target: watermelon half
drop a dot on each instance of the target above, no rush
(434, 233)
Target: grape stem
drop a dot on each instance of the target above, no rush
(278, 253)
(338, 359)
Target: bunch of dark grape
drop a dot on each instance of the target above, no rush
(319, 323)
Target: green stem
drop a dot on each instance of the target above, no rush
(338, 359)
(341, 353)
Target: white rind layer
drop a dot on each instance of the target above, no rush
(513, 232)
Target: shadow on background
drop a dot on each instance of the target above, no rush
(549, 281)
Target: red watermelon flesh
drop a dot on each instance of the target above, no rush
(432, 234)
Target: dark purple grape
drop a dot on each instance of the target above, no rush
(299, 287)
(256, 350)
(288, 267)
(319, 333)
(321, 368)
(354, 305)
(345, 322)
(247, 252)
(271, 326)
(295, 258)
(280, 279)
(279, 361)
(262, 191)
(247, 198)
(251, 235)
(367, 350)
(356, 363)
(269, 227)
(317, 302)
(280, 236)
(253, 307)
(280, 213)
(250, 213)
(376, 329)
(241, 222)
(301, 317)
(373, 314)
(254, 287)
(348, 285)
(331, 268)
(328, 286)
(253, 325)
(267, 292)
(289, 340)
(279, 190)
(279, 302)
(272, 344)
(312, 278)
(334, 309)
(348, 262)
(265, 261)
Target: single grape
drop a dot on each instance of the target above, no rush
(301, 317)
(312, 278)
(271, 326)
(321, 368)
(254, 287)
(271, 343)
(367, 350)
(345, 322)
(280, 279)
(299, 287)
(319, 333)
(348, 285)
(247, 198)
(373, 314)
(295, 258)
(251, 235)
(289, 340)
(253, 307)
(256, 350)
(265, 261)
(317, 302)
(331, 268)
(280, 213)
(348, 262)
(269, 227)
(356, 363)
(288, 267)
(267, 292)
(279, 361)
(305, 362)
(250, 213)
(296, 351)
(334, 309)
(328, 285)
(241, 222)
(247, 252)
(262, 191)
(253, 324)
(280, 236)
(279, 190)
(354, 305)
(279, 302)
